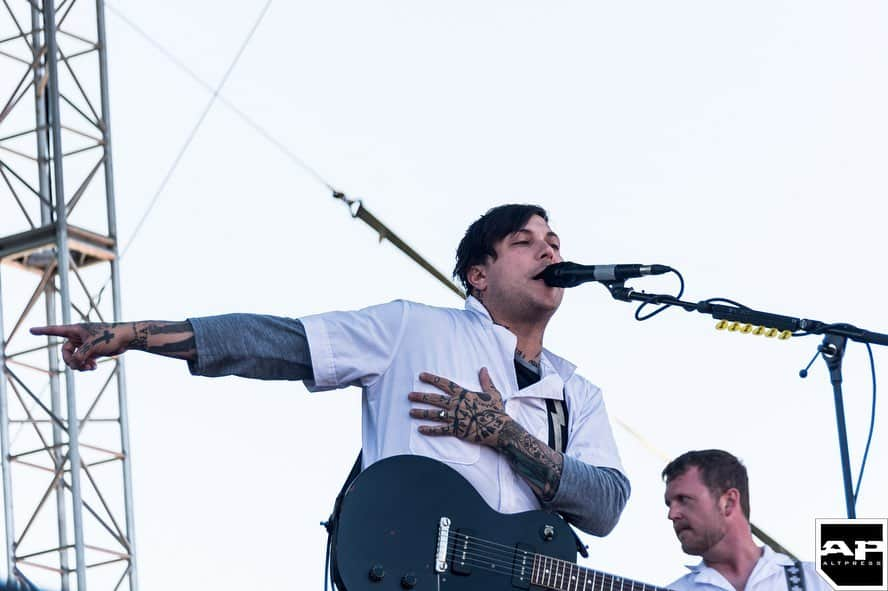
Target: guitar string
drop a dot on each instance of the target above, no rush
(505, 551)
(481, 541)
(493, 548)
(504, 557)
(461, 555)
(558, 579)
(477, 560)
(489, 550)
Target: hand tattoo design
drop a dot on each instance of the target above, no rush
(480, 417)
(473, 416)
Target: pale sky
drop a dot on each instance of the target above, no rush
(743, 144)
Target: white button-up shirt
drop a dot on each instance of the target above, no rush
(384, 348)
(767, 575)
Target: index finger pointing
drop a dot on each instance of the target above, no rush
(58, 330)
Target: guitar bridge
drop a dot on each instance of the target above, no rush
(443, 540)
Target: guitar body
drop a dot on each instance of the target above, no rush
(388, 532)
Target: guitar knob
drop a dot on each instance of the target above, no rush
(377, 573)
(408, 581)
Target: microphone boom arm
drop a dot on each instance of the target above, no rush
(798, 326)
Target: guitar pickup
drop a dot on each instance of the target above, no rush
(460, 560)
(522, 566)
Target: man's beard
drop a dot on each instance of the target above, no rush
(698, 545)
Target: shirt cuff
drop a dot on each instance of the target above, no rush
(590, 497)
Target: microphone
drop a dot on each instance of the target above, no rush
(571, 274)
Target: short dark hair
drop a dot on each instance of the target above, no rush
(477, 245)
(719, 471)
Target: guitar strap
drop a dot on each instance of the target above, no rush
(332, 523)
(557, 416)
(558, 419)
(795, 576)
(558, 422)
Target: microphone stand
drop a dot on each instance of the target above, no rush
(832, 349)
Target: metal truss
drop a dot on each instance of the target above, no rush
(66, 470)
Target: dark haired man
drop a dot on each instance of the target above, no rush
(707, 493)
(498, 442)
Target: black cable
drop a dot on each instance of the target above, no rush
(869, 437)
(328, 571)
(726, 301)
(664, 306)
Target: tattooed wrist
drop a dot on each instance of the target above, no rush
(173, 339)
(539, 465)
(139, 342)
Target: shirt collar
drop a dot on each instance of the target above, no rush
(549, 361)
(770, 556)
(768, 561)
(473, 304)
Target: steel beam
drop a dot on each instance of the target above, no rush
(65, 510)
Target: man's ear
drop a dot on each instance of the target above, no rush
(731, 501)
(477, 277)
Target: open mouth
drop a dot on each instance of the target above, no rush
(539, 275)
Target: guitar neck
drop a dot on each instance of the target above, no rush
(561, 575)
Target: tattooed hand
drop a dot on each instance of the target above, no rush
(481, 417)
(85, 343)
(474, 416)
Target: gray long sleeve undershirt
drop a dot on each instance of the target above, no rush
(276, 348)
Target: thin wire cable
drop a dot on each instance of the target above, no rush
(681, 289)
(869, 438)
(216, 96)
(358, 212)
(727, 301)
(195, 129)
(234, 108)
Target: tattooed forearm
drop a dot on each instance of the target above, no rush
(177, 349)
(139, 341)
(538, 464)
(183, 327)
(172, 339)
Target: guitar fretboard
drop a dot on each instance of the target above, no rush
(561, 575)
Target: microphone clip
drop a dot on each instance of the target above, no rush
(619, 291)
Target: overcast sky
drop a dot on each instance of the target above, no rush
(743, 144)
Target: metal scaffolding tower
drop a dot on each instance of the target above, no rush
(66, 468)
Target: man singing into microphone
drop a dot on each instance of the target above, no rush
(526, 430)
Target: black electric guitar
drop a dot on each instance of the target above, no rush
(409, 522)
